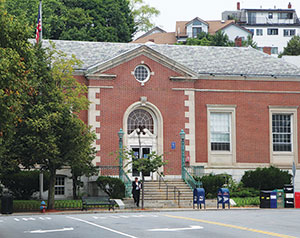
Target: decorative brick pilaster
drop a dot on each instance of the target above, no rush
(190, 133)
(94, 118)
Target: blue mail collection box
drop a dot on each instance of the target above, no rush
(199, 197)
(223, 197)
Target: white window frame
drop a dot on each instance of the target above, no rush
(259, 32)
(229, 157)
(196, 27)
(229, 132)
(142, 82)
(60, 186)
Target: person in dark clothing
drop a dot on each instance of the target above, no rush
(136, 189)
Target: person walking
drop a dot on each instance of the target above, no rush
(136, 189)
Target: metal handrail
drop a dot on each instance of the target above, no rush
(167, 189)
(128, 185)
(190, 181)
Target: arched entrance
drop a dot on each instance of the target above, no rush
(142, 125)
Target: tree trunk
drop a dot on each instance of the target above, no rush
(51, 191)
(74, 187)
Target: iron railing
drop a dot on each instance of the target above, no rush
(162, 182)
(128, 184)
(190, 181)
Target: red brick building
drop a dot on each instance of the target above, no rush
(238, 107)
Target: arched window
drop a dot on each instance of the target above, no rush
(140, 118)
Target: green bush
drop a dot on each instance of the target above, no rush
(23, 184)
(244, 192)
(266, 178)
(211, 183)
(113, 187)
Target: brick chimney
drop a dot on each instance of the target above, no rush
(238, 6)
(238, 41)
(289, 6)
(267, 50)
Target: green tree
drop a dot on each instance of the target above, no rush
(17, 63)
(293, 47)
(90, 20)
(143, 14)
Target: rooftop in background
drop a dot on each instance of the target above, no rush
(202, 60)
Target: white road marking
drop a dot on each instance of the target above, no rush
(177, 229)
(1, 221)
(31, 219)
(42, 218)
(103, 227)
(124, 216)
(16, 219)
(25, 219)
(48, 218)
(115, 217)
(48, 231)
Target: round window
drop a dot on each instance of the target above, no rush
(142, 73)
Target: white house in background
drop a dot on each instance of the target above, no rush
(271, 28)
(191, 29)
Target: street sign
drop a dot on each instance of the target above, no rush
(173, 145)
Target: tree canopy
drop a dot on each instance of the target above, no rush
(40, 101)
(218, 39)
(293, 47)
(89, 20)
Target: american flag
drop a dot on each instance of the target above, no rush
(38, 35)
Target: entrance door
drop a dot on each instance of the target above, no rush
(145, 152)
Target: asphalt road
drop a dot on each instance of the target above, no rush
(222, 223)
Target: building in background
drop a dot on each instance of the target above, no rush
(238, 106)
(191, 29)
(271, 28)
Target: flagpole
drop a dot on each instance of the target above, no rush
(41, 12)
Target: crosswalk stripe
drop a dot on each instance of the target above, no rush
(16, 219)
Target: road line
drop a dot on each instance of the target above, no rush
(103, 227)
(42, 218)
(178, 229)
(233, 226)
(16, 219)
(48, 231)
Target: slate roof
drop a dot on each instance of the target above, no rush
(244, 61)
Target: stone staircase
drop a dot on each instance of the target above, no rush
(158, 197)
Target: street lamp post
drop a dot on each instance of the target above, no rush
(141, 130)
(120, 134)
(182, 136)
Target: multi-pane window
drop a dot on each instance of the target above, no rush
(259, 32)
(285, 15)
(289, 32)
(196, 31)
(274, 50)
(273, 31)
(282, 132)
(140, 118)
(60, 185)
(220, 131)
(141, 73)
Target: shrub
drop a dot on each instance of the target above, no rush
(23, 184)
(266, 178)
(113, 187)
(211, 183)
(244, 192)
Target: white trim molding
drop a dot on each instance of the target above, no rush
(222, 158)
(190, 136)
(93, 113)
(284, 158)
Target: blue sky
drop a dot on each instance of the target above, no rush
(184, 10)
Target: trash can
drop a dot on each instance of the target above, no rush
(223, 197)
(297, 199)
(280, 198)
(289, 196)
(199, 197)
(7, 204)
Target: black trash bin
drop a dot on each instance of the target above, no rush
(7, 204)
